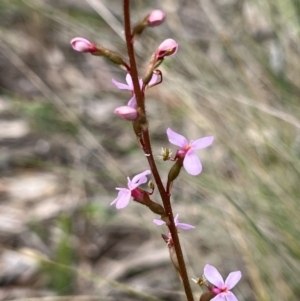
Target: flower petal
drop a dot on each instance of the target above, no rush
(231, 297)
(126, 113)
(156, 17)
(129, 81)
(132, 102)
(83, 45)
(153, 80)
(158, 222)
(176, 138)
(185, 226)
(122, 199)
(138, 180)
(192, 163)
(141, 84)
(167, 48)
(202, 142)
(176, 220)
(219, 298)
(232, 279)
(213, 276)
(120, 85)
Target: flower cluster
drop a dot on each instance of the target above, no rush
(185, 155)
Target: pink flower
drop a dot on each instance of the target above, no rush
(191, 162)
(183, 226)
(155, 18)
(222, 289)
(129, 86)
(125, 193)
(167, 48)
(83, 45)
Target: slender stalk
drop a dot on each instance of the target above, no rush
(146, 142)
(130, 49)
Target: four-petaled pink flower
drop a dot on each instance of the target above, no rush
(222, 289)
(129, 86)
(191, 162)
(183, 226)
(132, 191)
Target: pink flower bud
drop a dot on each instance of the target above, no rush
(155, 18)
(83, 45)
(126, 113)
(167, 48)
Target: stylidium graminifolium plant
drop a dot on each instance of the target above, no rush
(134, 110)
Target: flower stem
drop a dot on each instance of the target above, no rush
(146, 142)
(130, 49)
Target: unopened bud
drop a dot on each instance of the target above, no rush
(127, 113)
(167, 48)
(83, 45)
(155, 18)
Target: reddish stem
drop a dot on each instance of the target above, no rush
(145, 141)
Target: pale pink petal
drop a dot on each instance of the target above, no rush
(83, 45)
(218, 298)
(158, 222)
(176, 219)
(132, 102)
(156, 17)
(141, 84)
(202, 142)
(176, 138)
(122, 199)
(129, 81)
(126, 113)
(192, 163)
(232, 279)
(213, 276)
(139, 180)
(153, 80)
(167, 48)
(120, 85)
(185, 226)
(231, 297)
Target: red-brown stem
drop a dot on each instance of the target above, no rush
(168, 188)
(130, 49)
(148, 151)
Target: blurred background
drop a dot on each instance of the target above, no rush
(63, 151)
